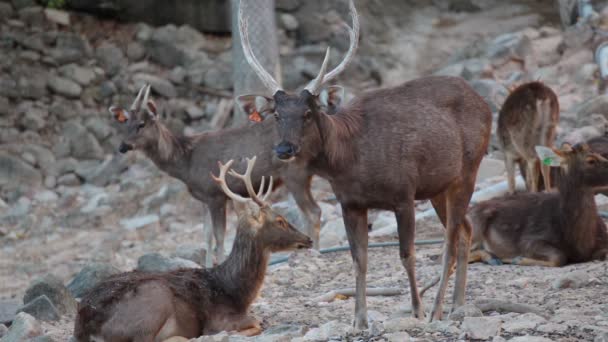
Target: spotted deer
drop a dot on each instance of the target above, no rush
(188, 158)
(386, 148)
(546, 228)
(528, 118)
(140, 306)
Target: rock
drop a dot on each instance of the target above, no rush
(492, 92)
(19, 4)
(34, 119)
(3, 330)
(509, 46)
(32, 86)
(489, 168)
(553, 328)
(66, 165)
(64, 109)
(398, 337)
(53, 288)
(528, 338)
(482, 327)
(177, 75)
(572, 280)
(69, 179)
(82, 143)
(159, 85)
(32, 16)
(195, 112)
(74, 42)
(523, 322)
(221, 337)
(98, 127)
(329, 330)
(444, 327)
(24, 327)
(89, 276)
(136, 51)
(4, 105)
(286, 330)
(287, 5)
(6, 11)
(597, 104)
(41, 308)
(46, 196)
(139, 221)
(601, 337)
(193, 253)
(110, 57)
(57, 16)
(64, 86)
(154, 262)
(14, 171)
(467, 310)
(219, 77)
(83, 76)
(402, 324)
(8, 309)
(43, 338)
(288, 22)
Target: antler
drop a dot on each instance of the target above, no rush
(136, 103)
(266, 78)
(246, 177)
(314, 85)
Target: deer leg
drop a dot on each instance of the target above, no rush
(510, 167)
(218, 219)
(532, 175)
(462, 262)
(546, 172)
(299, 187)
(355, 222)
(406, 227)
(480, 255)
(248, 326)
(208, 237)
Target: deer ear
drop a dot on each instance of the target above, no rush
(151, 110)
(255, 106)
(119, 114)
(548, 156)
(331, 97)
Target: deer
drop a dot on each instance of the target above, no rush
(546, 228)
(384, 149)
(188, 157)
(528, 117)
(189, 302)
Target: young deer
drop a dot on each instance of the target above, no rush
(137, 306)
(421, 140)
(528, 118)
(551, 228)
(188, 157)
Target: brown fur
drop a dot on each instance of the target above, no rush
(528, 118)
(550, 229)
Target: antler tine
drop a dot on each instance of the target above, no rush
(146, 95)
(259, 194)
(246, 177)
(135, 105)
(267, 191)
(221, 180)
(264, 76)
(354, 43)
(314, 85)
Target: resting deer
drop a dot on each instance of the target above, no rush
(546, 229)
(138, 306)
(187, 158)
(528, 118)
(385, 149)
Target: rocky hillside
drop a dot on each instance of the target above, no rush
(69, 202)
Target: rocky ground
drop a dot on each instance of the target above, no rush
(69, 201)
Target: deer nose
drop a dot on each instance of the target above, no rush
(123, 148)
(285, 150)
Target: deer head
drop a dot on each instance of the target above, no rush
(255, 214)
(297, 115)
(577, 162)
(140, 121)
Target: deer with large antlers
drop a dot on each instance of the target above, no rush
(385, 149)
(138, 306)
(188, 157)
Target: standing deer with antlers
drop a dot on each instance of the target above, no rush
(140, 306)
(385, 149)
(188, 157)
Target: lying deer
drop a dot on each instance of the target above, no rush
(187, 158)
(546, 229)
(528, 118)
(138, 306)
(386, 148)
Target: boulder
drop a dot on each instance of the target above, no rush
(24, 327)
(159, 85)
(81, 75)
(51, 287)
(482, 327)
(82, 143)
(110, 57)
(154, 262)
(41, 308)
(14, 171)
(467, 310)
(64, 86)
(89, 276)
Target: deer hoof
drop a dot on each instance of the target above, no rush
(516, 260)
(360, 324)
(494, 262)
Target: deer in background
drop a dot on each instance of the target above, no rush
(139, 306)
(188, 158)
(528, 118)
(385, 149)
(551, 228)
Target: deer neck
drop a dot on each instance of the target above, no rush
(337, 135)
(171, 153)
(242, 273)
(577, 203)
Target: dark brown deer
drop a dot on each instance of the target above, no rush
(385, 149)
(138, 306)
(187, 158)
(528, 118)
(546, 229)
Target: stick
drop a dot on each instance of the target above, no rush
(214, 92)
(224, 108)
(499, 305)
(350, 292)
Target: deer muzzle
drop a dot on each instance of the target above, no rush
(286, 150)
(124, 148)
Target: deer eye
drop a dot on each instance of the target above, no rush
(307, 114)
(141, 125)
(591, 161)
(281, 221)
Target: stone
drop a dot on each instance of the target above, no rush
(221, 337)
(489, 168)
(81, 75)
(8, 309)
(89, 276)
(4, 106)
(402, 324)
(177, 75)
(53, 288)
(219, 77)
(136, 51)
(482, 327)
(492, 92)
(159, 85)
(14, 171)
(3, 330)
(64, 109)
(32, 86)
(110, 57)
(99, 127)
(6, 11)
(34, 119)
(553, 328)
(523, 322)
(83, 144)
(19, 4)
(509, 46)
(64, 86)
(155, 262)
(195, 112)
(193, 253)
(69, 179)
(139, 221)
(330, 330)
(24, 327)
(32, 16)
(41, 308)
(529, 338)
(398, 337)
(467, 310)
(57, 16)
(601, 337)
(286, 330)
(288, 21)
(597, 104)
(572, 280)
(444, 327)
(287, 5)
(46, 196)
